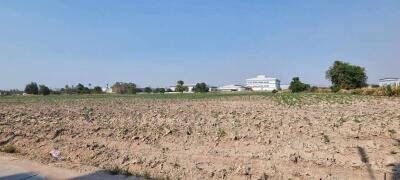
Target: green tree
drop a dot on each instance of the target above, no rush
(180, 82)
(180, 87)
(123, 88)
(82, 89)
(119, 88)
(201, 88)
(346, 76)
(162, 90)
(97, 90)
(32, 88)
(159, 90)
(131, 87)
(148, 90)
(44, 90)
(297, 86)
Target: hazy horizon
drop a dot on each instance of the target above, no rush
(156, 43)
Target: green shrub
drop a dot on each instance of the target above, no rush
(81, 89)
(336, 88)
(97, 90)
(297, 86)
(388, 91)
(148, 90)
(159, 90)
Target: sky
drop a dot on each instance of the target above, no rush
(157, 42)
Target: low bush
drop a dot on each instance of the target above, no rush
(336, 89)
(368, 91)
(320, 90)
(345, 91)
(388, 91)
(381, 91)
(297, 86)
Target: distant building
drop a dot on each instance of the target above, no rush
(190, 87)
(107, 89)
(389, 82)
(232, 87)
(263, 83)
(213, 89)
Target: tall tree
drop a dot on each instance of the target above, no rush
(346, 76)
(32, 88)
(44, 90)
(180, 86)
(131, 87)
(201, 88)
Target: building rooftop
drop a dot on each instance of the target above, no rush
(188, 85)
(231, 86)
(389, 79)
(261, 77)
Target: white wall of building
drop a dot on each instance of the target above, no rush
(263, 83)
(232, 87)
(107, 90)
(190, 87)
(389, 81)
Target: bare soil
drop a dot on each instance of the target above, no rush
(227, 138)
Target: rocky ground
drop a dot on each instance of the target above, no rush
(230, 138)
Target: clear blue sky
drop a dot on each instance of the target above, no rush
(155, 43)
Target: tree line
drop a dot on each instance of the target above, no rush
(342, 75)
(34, 89)
(119, 88)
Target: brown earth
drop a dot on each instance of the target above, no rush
(231, 138)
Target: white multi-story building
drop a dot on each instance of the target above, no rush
(263, 83)
(395, 82)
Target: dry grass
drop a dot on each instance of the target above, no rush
(381, 91)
